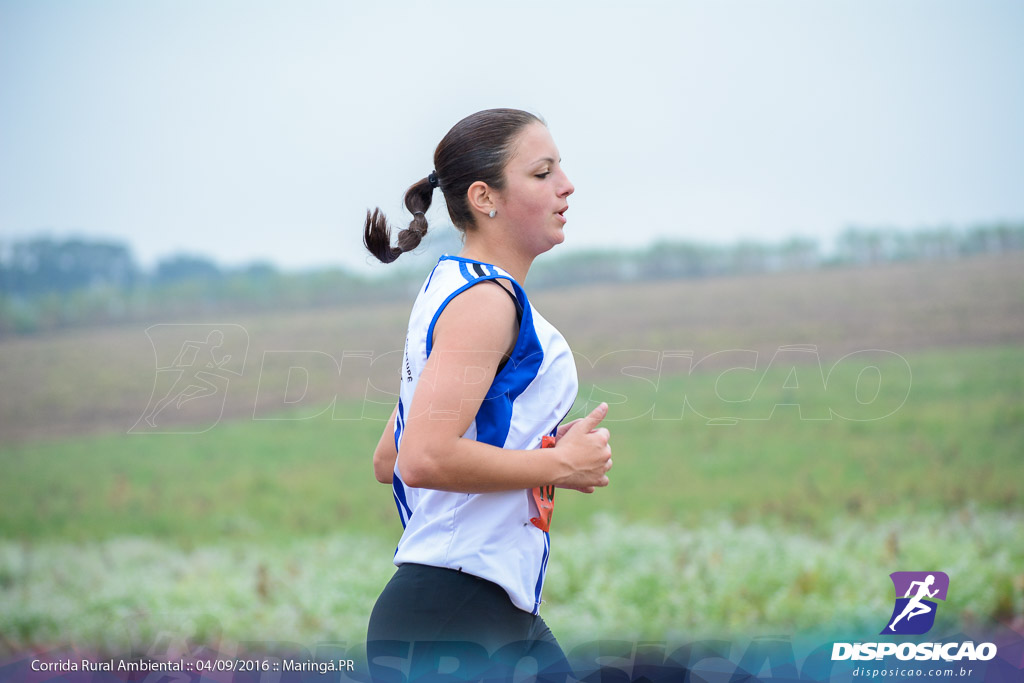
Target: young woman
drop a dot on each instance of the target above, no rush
(485, 382)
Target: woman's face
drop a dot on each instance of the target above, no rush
(536, 193)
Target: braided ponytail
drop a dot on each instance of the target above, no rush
(377, 233)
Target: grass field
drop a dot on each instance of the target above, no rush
(955, 439)
(756, 488)
(608, 578)
(262, 530)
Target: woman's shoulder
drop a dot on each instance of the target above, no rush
(480, 319)
(483, 302)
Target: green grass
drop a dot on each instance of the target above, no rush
(956, 439)
(607, 579)
(249, 479)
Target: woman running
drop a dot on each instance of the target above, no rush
(486, 382)
(914, 606)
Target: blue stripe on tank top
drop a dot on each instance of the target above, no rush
(431, 277)
(494, 417)
(547, 548)
(540, 575)
(464, 269)
(465, 264)
(404, 511)
(399, 424)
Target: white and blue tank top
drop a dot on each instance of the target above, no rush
(489, 535)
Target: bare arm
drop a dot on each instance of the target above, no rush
(384, 455)
(471, 336)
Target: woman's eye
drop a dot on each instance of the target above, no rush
(544, 175)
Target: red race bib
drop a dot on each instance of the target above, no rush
(544, 496)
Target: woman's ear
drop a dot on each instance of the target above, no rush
(481, 197)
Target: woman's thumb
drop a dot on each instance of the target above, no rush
(590, 422)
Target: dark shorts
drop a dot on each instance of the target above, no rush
(435, 623)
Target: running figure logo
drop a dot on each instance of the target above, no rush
(914, 613)
(193, 370)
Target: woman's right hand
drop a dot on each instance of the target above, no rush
(584, 448)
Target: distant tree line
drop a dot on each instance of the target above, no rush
(49, 284)
(854, 247)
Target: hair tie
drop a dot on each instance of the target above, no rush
(432, 179)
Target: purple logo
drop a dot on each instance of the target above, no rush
(916, 592)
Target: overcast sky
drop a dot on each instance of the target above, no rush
(263, 130)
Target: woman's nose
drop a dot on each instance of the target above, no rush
(567, 187)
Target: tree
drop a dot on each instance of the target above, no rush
(181, 267)
(43, 264)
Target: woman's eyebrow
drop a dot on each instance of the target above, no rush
(548, 160)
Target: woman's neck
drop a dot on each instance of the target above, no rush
(515, 264)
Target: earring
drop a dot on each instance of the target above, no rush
(492, 213)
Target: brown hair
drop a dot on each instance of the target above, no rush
(477, 148)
